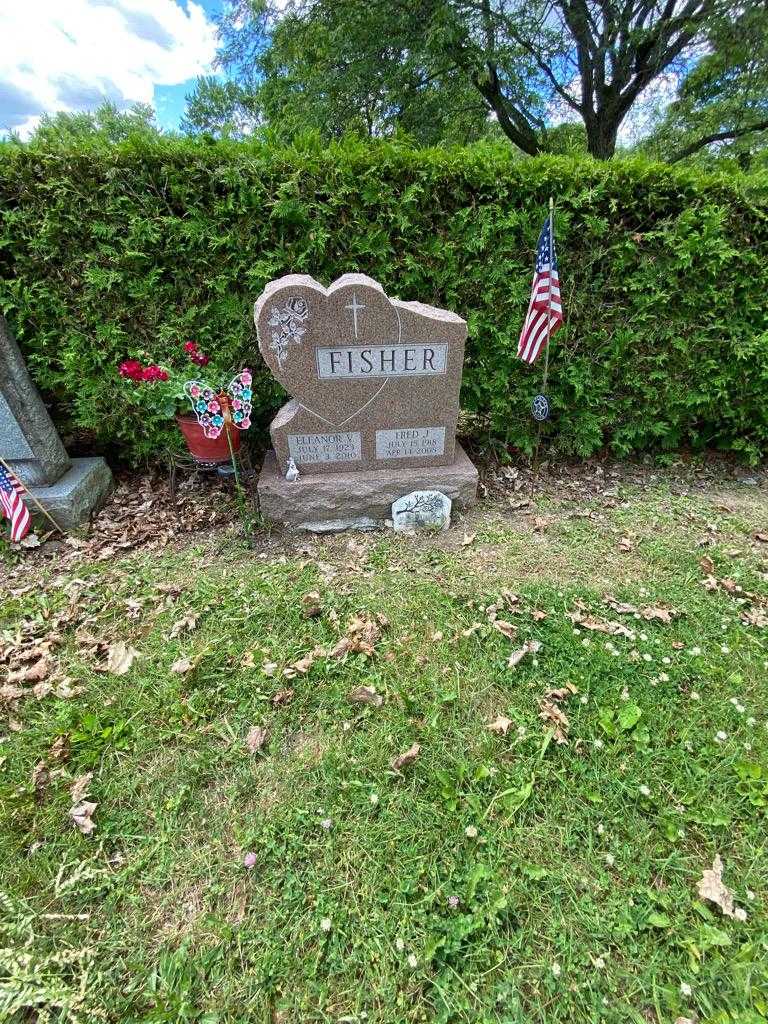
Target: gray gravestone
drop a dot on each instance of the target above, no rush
(29, 442)
(421, 510)
(375, 401)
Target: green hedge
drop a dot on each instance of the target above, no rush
(107, 252)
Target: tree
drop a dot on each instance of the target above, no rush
(107, 122)
(222, 109)
(722, 105)
(386, 62)
(345, 75)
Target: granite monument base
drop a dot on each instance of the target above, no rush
(357, 500)
(75, 496)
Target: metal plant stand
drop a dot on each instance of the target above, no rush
(183, 462)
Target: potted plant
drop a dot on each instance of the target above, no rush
(210, 413)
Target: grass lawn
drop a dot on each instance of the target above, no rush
(293, 875)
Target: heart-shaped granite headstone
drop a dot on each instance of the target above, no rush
(308, 334)
(375, 381)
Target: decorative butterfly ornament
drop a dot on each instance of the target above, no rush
(214, 409)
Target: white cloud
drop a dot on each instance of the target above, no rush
(74, 54)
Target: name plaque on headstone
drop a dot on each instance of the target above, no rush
(410, 443)
(312, 448)
(382, 361)
(374, 381)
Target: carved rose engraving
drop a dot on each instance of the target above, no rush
(286, 325)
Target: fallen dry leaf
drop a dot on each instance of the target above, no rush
(82, 815)
(365, 695)
(468, 539)
(120, 658)
(706, 564)
(344, 646)
(182, 666)
(40, 776)
(500, 725)
(710, 887)
(185, 624)
(256, 738)
(303, 665)
(402, 760)
(33, 673)
(529, 647)
(552, 714)
(282, 697)
(507, 628)
(762, 537)
(79, 787)
(311, 605)
(625, 545)
(754, 617)
(650, 613)
(540, 524)
(59, 749)
(591, 622)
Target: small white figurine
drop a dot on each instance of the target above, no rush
(292, 472)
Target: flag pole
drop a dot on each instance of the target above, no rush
(549, 293)
(549, 330)
(45, 512)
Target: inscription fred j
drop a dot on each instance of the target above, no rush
(410, 443)
(409, 360)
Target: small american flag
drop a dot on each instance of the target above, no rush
(14, 509)
(545, 311)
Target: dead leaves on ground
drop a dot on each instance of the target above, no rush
(120, 659)
(753, 606)
(256, 738)
(711, 888)
(651, 613)
(553, 715)
(407, 757)
(185, 624)
(311, 605)
(81, 811)
(529, 647)
(361, 637)
(582, 617)
(365, 695)
(500, 725)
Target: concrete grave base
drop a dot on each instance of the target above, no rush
(75, 496)
(355, 500)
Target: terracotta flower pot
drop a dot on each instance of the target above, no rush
(208, 449)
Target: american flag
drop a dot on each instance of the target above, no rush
(545, 311)
(14, 509)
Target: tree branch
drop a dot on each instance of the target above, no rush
(706, 140)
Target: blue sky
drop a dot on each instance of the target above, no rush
(73, 54)
(170, 99)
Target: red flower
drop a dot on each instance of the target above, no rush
(202, 360)
(190, 346)
(132, 369)
(153, 373)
